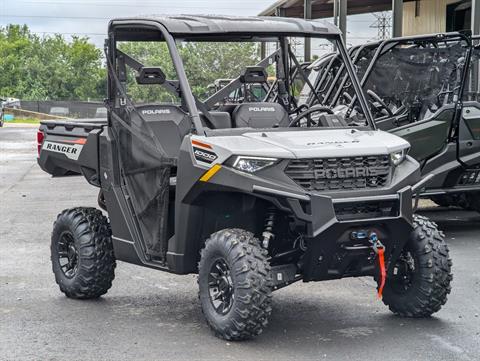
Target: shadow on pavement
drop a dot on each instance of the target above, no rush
(452, 218)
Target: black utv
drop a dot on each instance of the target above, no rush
(251, 196)
(424, 89)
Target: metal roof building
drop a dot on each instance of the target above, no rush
(409, 17)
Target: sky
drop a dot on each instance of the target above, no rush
(90, 17)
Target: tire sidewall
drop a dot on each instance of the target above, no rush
(431, 279)
(96, 264)
(61, 226)
(413, 246)
(221, 252)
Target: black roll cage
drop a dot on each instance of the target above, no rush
(135, 28)
(432, 38)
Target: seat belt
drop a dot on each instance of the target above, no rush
(203, 108)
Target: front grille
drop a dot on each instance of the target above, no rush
(470, 177)
(330, 174)
(366, 210)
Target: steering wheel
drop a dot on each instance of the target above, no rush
(307, 114)
(379, 100)
(299, 109)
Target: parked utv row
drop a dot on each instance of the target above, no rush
(254, 195)
(424, 89)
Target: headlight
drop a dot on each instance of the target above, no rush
(398, 157)
(252, 164)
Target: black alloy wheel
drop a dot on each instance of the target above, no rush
(67, 254)
(403, 273)
(220, 287)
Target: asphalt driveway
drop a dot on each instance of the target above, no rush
(150, 315)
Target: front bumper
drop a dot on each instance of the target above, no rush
(323, 219)
(332, 252)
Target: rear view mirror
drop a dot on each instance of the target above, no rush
(150, 75)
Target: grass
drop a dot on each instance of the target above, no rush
(24, 121)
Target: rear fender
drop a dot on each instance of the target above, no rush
(66, 153)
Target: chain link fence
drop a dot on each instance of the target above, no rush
(69, 109)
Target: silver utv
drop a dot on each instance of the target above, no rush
(252, 196)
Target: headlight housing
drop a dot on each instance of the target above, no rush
(398, 157)
(250, 164)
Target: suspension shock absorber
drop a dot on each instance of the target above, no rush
(268, 234)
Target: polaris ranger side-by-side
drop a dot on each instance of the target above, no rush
(251, 196)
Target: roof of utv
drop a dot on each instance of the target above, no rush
(179, 25)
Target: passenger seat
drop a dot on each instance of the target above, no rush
(260, 115)
(220, 120)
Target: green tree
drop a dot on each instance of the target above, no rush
(40, 68)
(204, 62)
(149, 54)
(52, 68)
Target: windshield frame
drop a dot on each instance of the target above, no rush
(186, 91)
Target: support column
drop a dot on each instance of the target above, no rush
(307, 14)
(397, 18)
(263, 50)
(280, 12)
(342, 18)
(475, 17)
(475, 77)
(335, 12)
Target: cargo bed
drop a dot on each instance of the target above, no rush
(70, 147)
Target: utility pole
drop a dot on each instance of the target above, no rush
(383, 24)
(307, 14)
(340, 16)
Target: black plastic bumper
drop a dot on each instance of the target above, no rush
(333, 252)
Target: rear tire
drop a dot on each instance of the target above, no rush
(440, 200)
(420, 282)
(235, 285)
(82, 253)
(461, 200)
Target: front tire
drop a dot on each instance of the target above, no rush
(235, 285)
(82, 253)
(420, 281)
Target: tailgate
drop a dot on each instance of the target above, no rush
(70, 147)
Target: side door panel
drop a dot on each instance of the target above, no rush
(427, 137)
(469, 134)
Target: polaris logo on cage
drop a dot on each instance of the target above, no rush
(261, 109)
(203, 155)
(155, 111)
(71, 151)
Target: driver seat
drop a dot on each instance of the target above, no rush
(260, 115)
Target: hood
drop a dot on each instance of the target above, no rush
(322, 143)
(332, 142)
